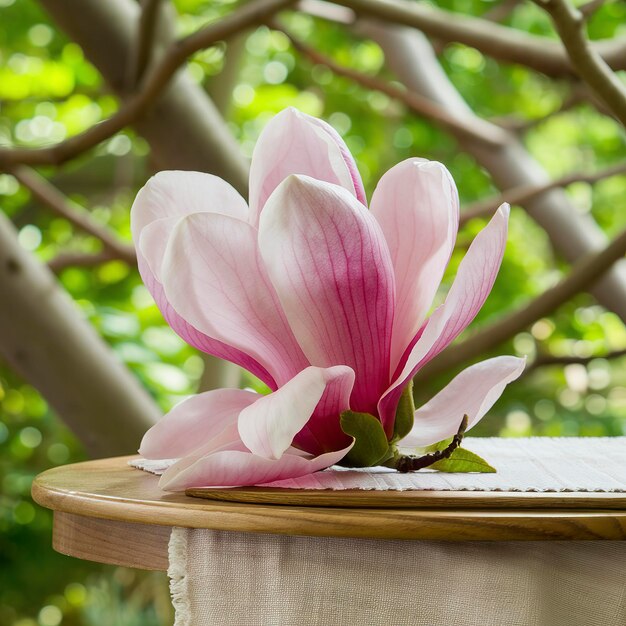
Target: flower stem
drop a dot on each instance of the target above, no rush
(409, 463)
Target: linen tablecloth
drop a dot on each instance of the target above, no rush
(264, 580)
(244, 579)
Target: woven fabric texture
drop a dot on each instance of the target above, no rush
(246, 579)
(529, 464)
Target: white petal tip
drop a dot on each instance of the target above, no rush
(429, 166)
(165, 484)
(505, 210)
(521, 363)
(171, 481)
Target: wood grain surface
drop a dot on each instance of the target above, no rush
(141, 546)
(133, 516)
(412, 499)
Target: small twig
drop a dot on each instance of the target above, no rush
(582, 274)
(581, 94)
(148, 21)
(81, 259)
(517, 125)
(549, 360)
(486, 134)
(570, 24)
(50, 196)
(156, 80)
(525, 193)
(501, 11)
(91, 93)
(590, 8)
(410, 463)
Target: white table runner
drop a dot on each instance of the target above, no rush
(525, 464)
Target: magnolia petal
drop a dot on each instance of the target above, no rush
(176, 194)
(234, 468)
(268, 426)
(193, 336)
(152, 242)
(473, 392)
(475, 277)
(163, 201)
(417, 207)
(296, 143)
(169, 196)
(214, 278)
(195, 422)
(330, 265)
(357, 183)
(322, 433)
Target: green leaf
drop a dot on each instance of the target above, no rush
(370, 446)
(405, 413)
(462, 460)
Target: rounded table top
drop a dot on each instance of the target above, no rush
(109, 512)
(110, 489)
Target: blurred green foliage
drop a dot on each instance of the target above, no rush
(48, 91)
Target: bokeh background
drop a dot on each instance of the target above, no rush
(49, 91)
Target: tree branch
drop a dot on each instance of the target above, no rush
(589, 9)
(155, 81)
(483, 133)
(571, 25)
(500, 42)
(49, 195)
(572, 234)
(46, 340)
(583, 274)
(501, 11)
(521, 195)
(184, 129)
(145, 40)
(549, 360)
(220, 87)
(517, 125)
(79, 259)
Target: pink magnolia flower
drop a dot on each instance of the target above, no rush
(325, 301)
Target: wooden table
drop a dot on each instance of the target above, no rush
(108, 512)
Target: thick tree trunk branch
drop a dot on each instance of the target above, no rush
(571, 25)
(146, 40)
(581, 276)
(184, 129)
(220, 87)
(500, 42)
(572, 234)
(46, 339)
(185, 132)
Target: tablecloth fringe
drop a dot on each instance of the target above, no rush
(179, 591)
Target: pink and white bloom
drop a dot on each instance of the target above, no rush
(323, 299)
